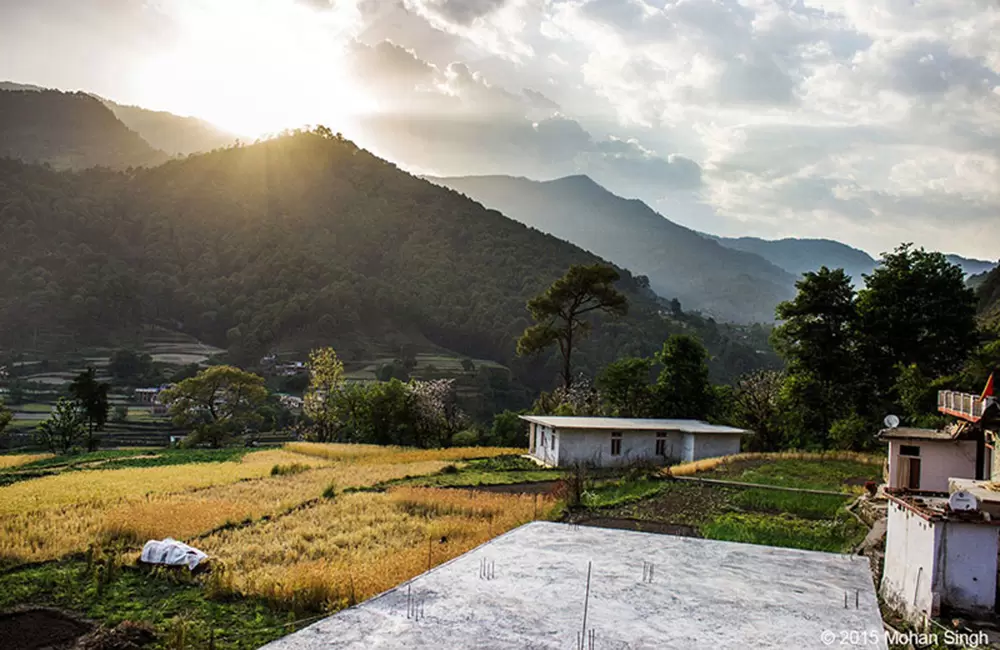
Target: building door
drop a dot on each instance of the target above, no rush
(909, 467)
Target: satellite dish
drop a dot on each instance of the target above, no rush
(962, 501)
(891, 421)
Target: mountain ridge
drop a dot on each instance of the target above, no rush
(69, 131)
(680, 263)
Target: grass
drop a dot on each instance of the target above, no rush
(806, 506)
(33, 408)
(834, 535)
(166, 602)
(832, 474)
(709, 464)
(751, 515)
(613, 493)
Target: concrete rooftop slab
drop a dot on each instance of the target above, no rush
(703, 594)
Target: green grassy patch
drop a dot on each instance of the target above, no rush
(170, 601)
(606, 494)
(807, 506)
(474, 477)
(835, 535)
(834, 475)
(504, 464)
(33, 408)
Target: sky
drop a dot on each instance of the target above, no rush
(872, 122)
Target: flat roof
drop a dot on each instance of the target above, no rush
(630, 424)
(703, 594)
(912, 433)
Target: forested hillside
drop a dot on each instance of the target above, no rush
(989, 296)
(301, 236)
(171, 133)
(68, 131)
(727, 284)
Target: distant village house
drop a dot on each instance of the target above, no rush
(608, 442)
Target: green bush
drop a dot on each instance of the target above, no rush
(467, 438)
(330, 491)
(853, 432)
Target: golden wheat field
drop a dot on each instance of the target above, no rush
(16, 460)
(295, 538)
(357, 545)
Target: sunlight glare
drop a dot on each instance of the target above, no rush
(257, 67)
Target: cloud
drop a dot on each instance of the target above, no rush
(462, 12)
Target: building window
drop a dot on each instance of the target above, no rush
(909, 450)
(661, 444)
(543, 439)
(552, 441)
(616, 444)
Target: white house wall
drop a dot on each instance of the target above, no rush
(908, 575)
(939, 461)
(593, 446)
(543, 445)
(714, 445)
(968, 573)
(941, 563)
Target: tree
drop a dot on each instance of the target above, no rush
(64, 429)
(326, 379)
(5, 417)
(625, 387)
(916, 309)
(560, 311)
(682, 388)
(435, 412)
(218, 402)
(817, 340)
(91, 396)
(129, 365)
(468, 365)
(756, 406)
(508, 430)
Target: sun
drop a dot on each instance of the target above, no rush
(256, 67)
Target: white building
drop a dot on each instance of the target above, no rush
(603, 442)
(937, 557)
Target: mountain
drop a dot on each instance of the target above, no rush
(167, 132)
(988, 291)
(68, 131)
(797, 256)
(972, 266)
(727, 284)
(171, 133)
(300, 238)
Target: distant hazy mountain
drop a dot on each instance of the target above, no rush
(728, 284)
(972, 266)
(68, 131)
(798, 256)
(167, 132)
(172, 133)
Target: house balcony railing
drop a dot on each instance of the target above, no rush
(961, 405)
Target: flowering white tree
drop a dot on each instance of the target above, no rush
(435, 405)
